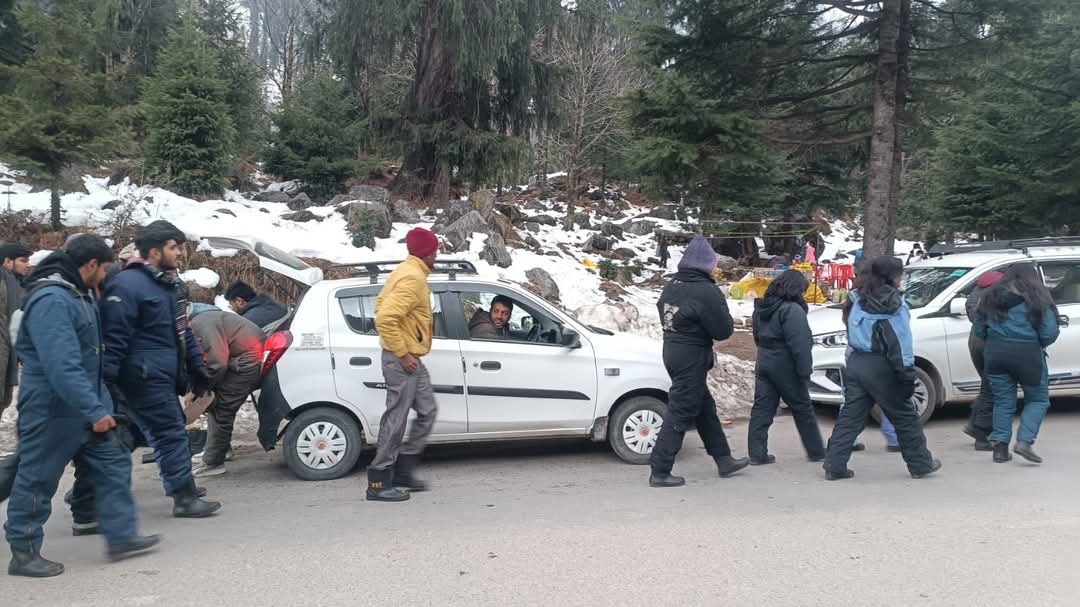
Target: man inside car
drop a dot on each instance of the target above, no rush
(494, 324)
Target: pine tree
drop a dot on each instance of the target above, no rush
(315, 139)
(188, 128)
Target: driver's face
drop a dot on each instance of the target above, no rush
(500, 315)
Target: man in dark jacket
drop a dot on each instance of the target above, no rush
(14, 268)
(494, 324)
(65, 408)
(981, 422)
(233, 346)
(151, 356)
(259, 309)
(694, 314)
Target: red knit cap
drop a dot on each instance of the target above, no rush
(421, 242)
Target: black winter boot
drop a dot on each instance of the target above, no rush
(1025, 450)
(982, 440)
(763, 461)
(839, 476)
(186, 503)
(31, 564)
(380, 487)
(727, 465)
(665, 479)
(1001, 452)
(133, 547)
(403, 473)
(935, 465)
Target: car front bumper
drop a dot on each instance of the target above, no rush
(827, 380)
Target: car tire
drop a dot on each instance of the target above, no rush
(322, 444)
(926, 397)
(634, 427)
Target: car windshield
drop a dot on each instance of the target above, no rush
(922, 285)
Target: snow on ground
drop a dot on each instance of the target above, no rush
(847, 237)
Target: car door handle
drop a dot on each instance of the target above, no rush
(359, 361)
(490, 365)
(1063, 320)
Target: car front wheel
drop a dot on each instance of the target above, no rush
(322, 444)
(634, 427)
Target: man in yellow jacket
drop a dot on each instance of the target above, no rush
(404, 322)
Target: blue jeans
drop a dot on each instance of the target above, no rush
(158, 414)
(46, 445)
(1036, 403)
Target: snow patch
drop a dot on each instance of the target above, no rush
(204, 277)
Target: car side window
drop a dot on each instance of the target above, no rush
(359, 312)
(1063, 280)
(495, 317)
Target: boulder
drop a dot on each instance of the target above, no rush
(535, 205)
(402, 211)
(302, 216)
(484, 202)
(375, 213)
(726, 263)
(611, 230)
(513, 212)
(596, 194)
(533, 226)
(545, 220)
(370, 193)
(545, 284)
(624, 253)
(641, 227)
(598, 244)
(667, 211)
(532, 242)
(271, 197)
(300, 202)
(458, 233)
(262, 210)
(582, 220)
(455, 210)
(503, 227)
(111, 205)
(495, 252)
(731, 382)
(225, 212)
(340, 199)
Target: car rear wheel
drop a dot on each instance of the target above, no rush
(322, 444)
(925, 397)
(634, 427)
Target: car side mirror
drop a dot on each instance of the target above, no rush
(571, 339)
(958, 307)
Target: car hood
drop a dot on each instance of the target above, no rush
(826, 320)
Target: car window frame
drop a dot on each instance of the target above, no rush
(1042, 274)
(456, 290)
(374, 290)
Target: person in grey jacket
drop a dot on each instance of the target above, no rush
(233, 352)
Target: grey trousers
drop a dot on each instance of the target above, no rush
(229, 396)
(404, 392)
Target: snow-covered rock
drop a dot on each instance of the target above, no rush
(204, 277)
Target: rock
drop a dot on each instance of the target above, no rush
(545, 220)
(624, 253)
(271, 197)
(495, 252)
(611, 230)
(375, 213)
(370, 193)
(552, 253)
(262, 210)
(503, 227)
(731, 382)
(455, 210)
(535, 205)
(597, 244)
(302, 216)
(667, 211)
(225, 211)
(532, 242)
(726, 263)
(111, 205)
(291, 188)
(513, 212)
(533, 226)
(484, 202)
(641, 227)
(583, 220)
(300, 202)
(402, 211)
(545, 284)
(339, 199)
(596, 194)
(458, 233)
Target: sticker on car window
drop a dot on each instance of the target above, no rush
(958, 273)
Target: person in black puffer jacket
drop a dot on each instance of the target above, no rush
(694, 314)
(784, 364)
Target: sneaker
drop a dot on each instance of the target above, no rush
(81, 529)
(197, 458)
(204, 471)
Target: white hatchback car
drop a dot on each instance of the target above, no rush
(936, 290)
(554, 376)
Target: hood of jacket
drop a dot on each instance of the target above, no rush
(57, 268)
(886, 301)
(692, 275)
(768, 306)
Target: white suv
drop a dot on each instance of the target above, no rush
(936, 291)
(553, 377)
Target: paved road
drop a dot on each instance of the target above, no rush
(569, 525)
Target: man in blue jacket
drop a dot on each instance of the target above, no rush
(65, 408)
(151, 356)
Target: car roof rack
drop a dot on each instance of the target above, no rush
(1020, 244)
(374, 269)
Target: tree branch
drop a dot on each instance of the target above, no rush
(847, 8)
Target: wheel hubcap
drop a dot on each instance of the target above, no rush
(640, 431)
(321, 445)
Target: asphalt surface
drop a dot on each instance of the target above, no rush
(568, 524)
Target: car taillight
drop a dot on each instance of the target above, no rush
(274, 348)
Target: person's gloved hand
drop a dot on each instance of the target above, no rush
(200, 382)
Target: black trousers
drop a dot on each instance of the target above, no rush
(982, 410)
(870, 379)
(689, 404)
(776, 379)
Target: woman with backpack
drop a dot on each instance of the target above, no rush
(880, 370)
(1017, 319)
(784, 364)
